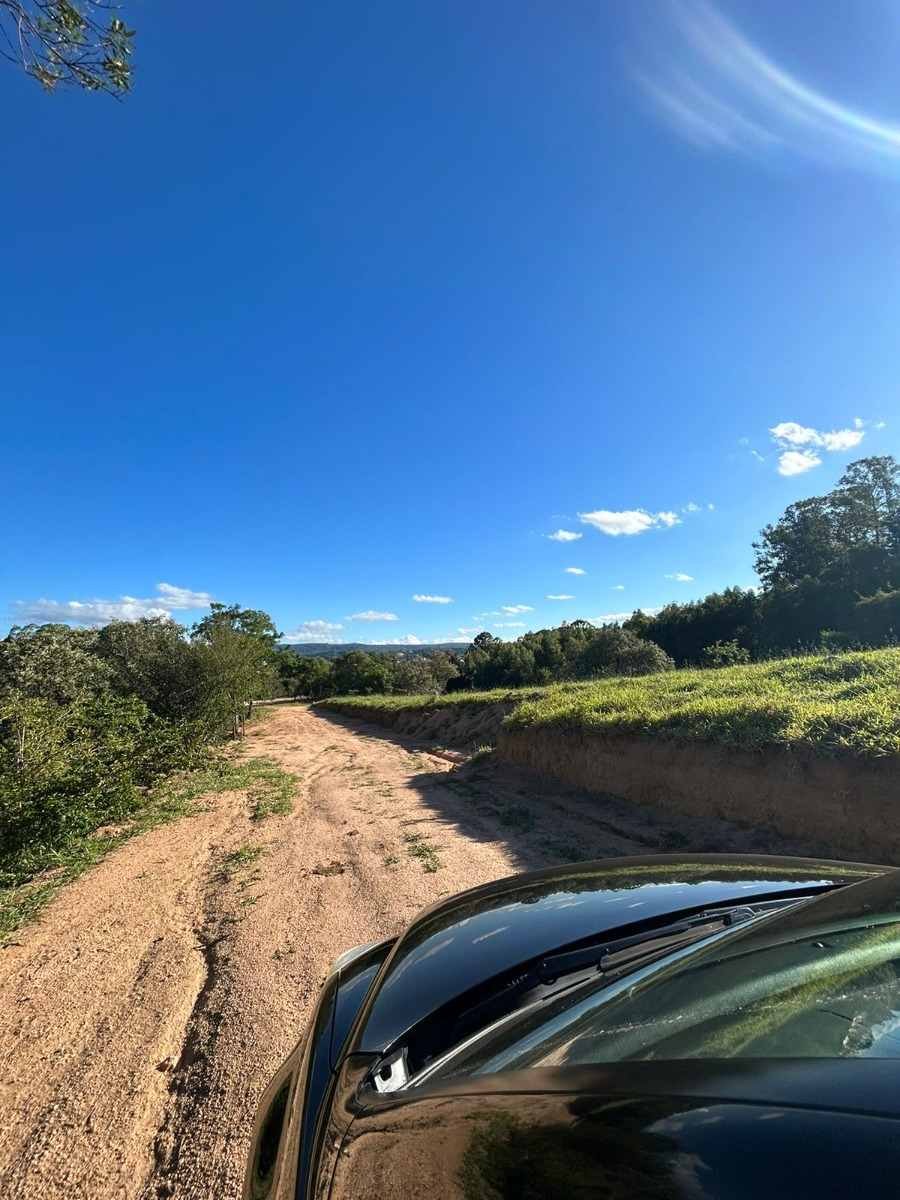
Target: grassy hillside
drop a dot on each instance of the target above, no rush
(847, 704)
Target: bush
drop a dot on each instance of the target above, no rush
(725, 654)
(615, 651)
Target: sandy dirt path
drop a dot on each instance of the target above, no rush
(143, 1015)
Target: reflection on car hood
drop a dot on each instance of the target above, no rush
(488, 931)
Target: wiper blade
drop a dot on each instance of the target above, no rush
(611, 955)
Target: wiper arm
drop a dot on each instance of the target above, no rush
(608, 956)
(612, 954)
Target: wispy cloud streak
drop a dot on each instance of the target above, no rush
(715, 87)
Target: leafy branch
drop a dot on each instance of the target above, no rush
(62, 44)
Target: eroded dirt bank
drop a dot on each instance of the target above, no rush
(142, 1017)
(852, 807)
(465, 726)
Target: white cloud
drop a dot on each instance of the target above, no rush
(509, 624)
(420, 599)
(315, 631)
(179, 599)
(879, 425)
(680, 577)
(759, 457)
(628, 522)
(473, 629)
(795, 462)
(512, 609)
(717, 88)
(408, 639)
(617, 587)
(789, 434)
(858, 422)
(574, 571)
(560, 597)
(691, 508)
(100, 612)
(564, 535)
(88, 612)
(369, 615)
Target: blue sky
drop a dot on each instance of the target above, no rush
(347, 310)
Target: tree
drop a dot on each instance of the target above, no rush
(725, 654)
(64, 44)
(849, 536)
(251, 621)
(359, 674)
(51, 662)
(684, 630)
(413, 676)
(313, 677)
(151, 658)
(238, 647)
(800, 545)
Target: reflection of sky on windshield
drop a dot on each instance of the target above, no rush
(888, 1031)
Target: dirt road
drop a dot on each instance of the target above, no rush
(142, 1017)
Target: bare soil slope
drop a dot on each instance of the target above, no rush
(142, 1017)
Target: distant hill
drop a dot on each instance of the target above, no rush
(332, 650)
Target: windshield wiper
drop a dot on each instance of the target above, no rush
(612, 955)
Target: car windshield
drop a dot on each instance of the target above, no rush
(782, 990)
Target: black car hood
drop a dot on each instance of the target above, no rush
(458, 944)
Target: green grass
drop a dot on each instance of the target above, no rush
(518, 817)
(847, 704)
(429, 703)
(241, 859)
(23, 901)
(426, 852)
(271, 790)
(840, 705)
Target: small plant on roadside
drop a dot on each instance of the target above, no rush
(426, 852)
(518, 817)
(241, 860)
(481, 753)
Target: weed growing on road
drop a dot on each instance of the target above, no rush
(23, 901)
(416, 763)
(517, 816)
(426, 852)
(480, 753)
(564, 851)
(241, 860)
(270, 787)
(391, 860)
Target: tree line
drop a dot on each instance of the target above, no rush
(91, 719)
(575, 650)
(830, 578)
